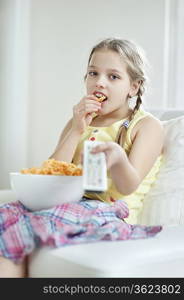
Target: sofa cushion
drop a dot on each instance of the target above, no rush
(159, 256)
(164, 204)
(7, 196)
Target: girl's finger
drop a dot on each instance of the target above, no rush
(91, 108)
(93, 102)
(101, 148)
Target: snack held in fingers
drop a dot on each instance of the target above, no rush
(100, 97)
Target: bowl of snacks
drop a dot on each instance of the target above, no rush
(54, 183)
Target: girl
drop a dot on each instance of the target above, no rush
(115, 71)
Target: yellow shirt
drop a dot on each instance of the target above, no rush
(134, 200)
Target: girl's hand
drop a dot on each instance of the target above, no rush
(82, 112)
(114, 153)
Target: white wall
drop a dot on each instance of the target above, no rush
(52, 40)
(14, 52)
(62, 34)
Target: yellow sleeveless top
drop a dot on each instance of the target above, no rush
(135, 199)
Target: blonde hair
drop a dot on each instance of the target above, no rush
(135, 60)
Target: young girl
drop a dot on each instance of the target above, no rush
(132, 142)
(116, 71)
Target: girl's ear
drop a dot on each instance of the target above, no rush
(135, 88)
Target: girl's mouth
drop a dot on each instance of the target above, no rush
(100, 97)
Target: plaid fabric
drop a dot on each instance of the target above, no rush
(21, 231)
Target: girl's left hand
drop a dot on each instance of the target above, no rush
(114, 152)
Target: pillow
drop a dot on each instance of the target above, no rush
(164, 203)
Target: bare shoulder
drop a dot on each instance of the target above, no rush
(149, 125)
(150, 122)
(148, 141)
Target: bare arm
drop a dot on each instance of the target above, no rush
(69, 139)
(67, 144)
(127, 172)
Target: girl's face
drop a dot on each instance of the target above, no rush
(107, 75)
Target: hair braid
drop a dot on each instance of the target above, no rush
(137, 105)
(138, 102)
(120, 137)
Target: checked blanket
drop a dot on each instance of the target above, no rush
(86, 221)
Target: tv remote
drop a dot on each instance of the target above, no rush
(94, 169)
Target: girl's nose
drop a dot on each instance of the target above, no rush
(101, 82)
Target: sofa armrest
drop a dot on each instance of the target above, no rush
(7, 196)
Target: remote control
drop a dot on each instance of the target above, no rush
(94, 169)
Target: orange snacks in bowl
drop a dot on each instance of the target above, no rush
(55, 167)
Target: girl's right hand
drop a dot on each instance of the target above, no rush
(83, 112)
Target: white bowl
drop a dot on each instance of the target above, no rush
(39, 192)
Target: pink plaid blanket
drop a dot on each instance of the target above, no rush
(21, 231)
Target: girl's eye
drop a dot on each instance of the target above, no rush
(92, 73)
(113, 77)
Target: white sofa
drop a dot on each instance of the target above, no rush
(159, 256)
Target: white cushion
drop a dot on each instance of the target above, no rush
(7, 196)
(164, 204)
(160, 256)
